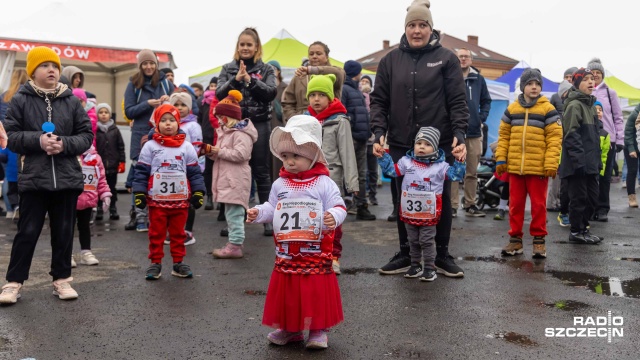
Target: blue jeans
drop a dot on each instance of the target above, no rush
(235, 222)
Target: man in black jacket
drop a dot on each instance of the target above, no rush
(353, 101)
(426, 89)
(479, 103)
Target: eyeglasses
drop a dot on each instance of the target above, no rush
(464, 56)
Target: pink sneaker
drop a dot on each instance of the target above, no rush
(281, 337)
(229, 251)
(63, 290)
(317, 340)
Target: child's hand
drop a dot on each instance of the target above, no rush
(378, 149)
(214, 150)
(329, 221)
(106, 202)
(154, 103)
(252, 214)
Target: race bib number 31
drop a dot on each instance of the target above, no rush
(298, 220)
(90, 177)
(418, 205)
(170, 187)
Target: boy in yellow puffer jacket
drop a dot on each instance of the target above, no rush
(529, 143)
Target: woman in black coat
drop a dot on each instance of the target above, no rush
(257, 83)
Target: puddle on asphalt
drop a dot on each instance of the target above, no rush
(255, 292)
(483, 258)
(567, 305)
(534, 266)
(614, 244)
(627, 259)
(611, 286)
(514, 338)
(362, 270)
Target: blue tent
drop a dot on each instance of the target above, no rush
(548, 87)
(499, 101)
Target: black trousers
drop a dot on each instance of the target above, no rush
(112, 180)
(208, 175)
(443, 229)
(84, 228)
(583, 196)
(34, 205)
(605, 183)
(261, 161)
(372, 172)
(632, 172)
(564, 196)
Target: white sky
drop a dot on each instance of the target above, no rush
(549, 34)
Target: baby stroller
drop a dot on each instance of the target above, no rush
(489, 187)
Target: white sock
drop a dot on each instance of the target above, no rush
(504, 204)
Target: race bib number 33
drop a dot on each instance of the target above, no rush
(298, 220)
(170, 187)
(418, 205)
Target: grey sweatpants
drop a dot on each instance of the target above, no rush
(422, 244)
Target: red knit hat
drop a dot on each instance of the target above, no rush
(163, 109)
(230, 106)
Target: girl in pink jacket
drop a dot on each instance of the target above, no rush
(95, 187)
(231, 171)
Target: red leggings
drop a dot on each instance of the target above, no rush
(161, 220)
(536, 187)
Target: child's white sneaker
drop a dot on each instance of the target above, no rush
(63, 290)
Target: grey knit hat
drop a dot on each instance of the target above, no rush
(595, 64)
(570, 71)
(564, 86)
(430, 134)
(529, 75)
(103, 106)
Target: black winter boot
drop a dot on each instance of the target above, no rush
(364, 213)
(209, 204)
(132, 219)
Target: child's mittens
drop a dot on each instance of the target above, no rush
(197, 199)
(140, 200)
(329, 220)
(205, 149)
(550, 173)
(252, 215)
(121, 168)
(501, 167)
(106, 202)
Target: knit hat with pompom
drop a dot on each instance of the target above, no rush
(230, 106)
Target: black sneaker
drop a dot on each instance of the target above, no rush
(602, 218)
(181, 270)
(398, 264)
(154, 271)
(373, 200)
(364, 213)
(209, 204)
(113, 214)
(428, 275)
(474, 212)
(414, 271)
(131, 225)
(448, 268)
(583, 238)
(595, 237)
(224, 232)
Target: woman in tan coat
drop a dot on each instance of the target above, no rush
(294, 99)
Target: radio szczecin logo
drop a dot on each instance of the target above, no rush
(590, 327)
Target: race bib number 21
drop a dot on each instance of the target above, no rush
(297, 220)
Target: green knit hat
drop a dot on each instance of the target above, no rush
(323, 84)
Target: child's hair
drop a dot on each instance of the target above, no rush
(18, 78)
(324, 46)
(254, 35)
(197, 86)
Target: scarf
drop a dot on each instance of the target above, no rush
(104, 127)
(60, 88)
(316, 170)
(335, 107)
(208, 97)
(170, 141)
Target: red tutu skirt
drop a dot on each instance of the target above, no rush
(298, 302)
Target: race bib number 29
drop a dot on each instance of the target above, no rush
(297, 220)
(90, 177)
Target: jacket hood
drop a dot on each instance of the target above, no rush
(439, 159)
(188, 118)
(434, 43)
(248, 129)
(575, 94)
(69, 71)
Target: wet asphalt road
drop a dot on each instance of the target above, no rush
(499, 310)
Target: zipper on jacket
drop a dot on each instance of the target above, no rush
(53, 169)
(470, 94)
(524, 135)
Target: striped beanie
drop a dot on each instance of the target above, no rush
(230, 106)
(430, 134)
